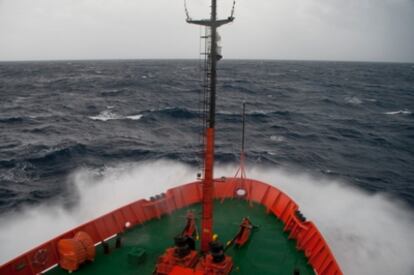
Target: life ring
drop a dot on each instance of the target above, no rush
(40, 257)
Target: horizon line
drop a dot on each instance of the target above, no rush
(195, 59)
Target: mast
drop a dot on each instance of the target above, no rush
(209, 135)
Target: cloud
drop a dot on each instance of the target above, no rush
(314, 29)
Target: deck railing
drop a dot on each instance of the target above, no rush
(307, 236)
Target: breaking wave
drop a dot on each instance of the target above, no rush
(399, 112)
(353, 100)
(277, 138)
(108, 115)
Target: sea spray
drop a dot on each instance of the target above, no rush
(368, 233)
(97, 192)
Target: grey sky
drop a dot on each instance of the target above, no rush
(366, 30)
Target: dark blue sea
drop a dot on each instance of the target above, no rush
(338, 121)
(351, 121)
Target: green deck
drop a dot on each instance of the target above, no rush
(268, 252)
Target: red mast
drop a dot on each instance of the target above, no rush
(208, 182)
(208, 192)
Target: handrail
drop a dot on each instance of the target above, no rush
(307, 236)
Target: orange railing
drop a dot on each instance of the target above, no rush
(307, 236)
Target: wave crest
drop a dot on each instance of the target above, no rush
(108, 115)
(399, 112)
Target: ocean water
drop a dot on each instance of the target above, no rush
(347, 126)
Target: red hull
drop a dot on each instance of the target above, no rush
(307, 236)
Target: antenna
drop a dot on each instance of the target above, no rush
(241, 169)
(242, 189)
(187, 14)
(243, 127)
(232, 9)
(186, 11)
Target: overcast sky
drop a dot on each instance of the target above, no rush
(364, 30)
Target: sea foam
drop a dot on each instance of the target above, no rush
(108, 115)
(399, 112)
(353, 100)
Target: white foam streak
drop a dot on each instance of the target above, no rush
(400, 112)
(134, 117)
(277, 138)
(105, 116)
(353, 100)
(108, 115)
(369, 234)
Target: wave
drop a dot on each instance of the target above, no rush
(255, 113)
(108, 115)
(175, 112)
(277, 138)
(57, 155)
(134, 117)
(105, 116)
(44, 155)
(12, 119)
(399, 112)
(115, 92)
(353, 100)
(25, 118)
(180, 112)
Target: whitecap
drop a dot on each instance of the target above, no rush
(134, 117)
(105, 116)
(399, 112)
(108, 115)
(152, 110)
(259, 112)
(353, 100)
(277, 138)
